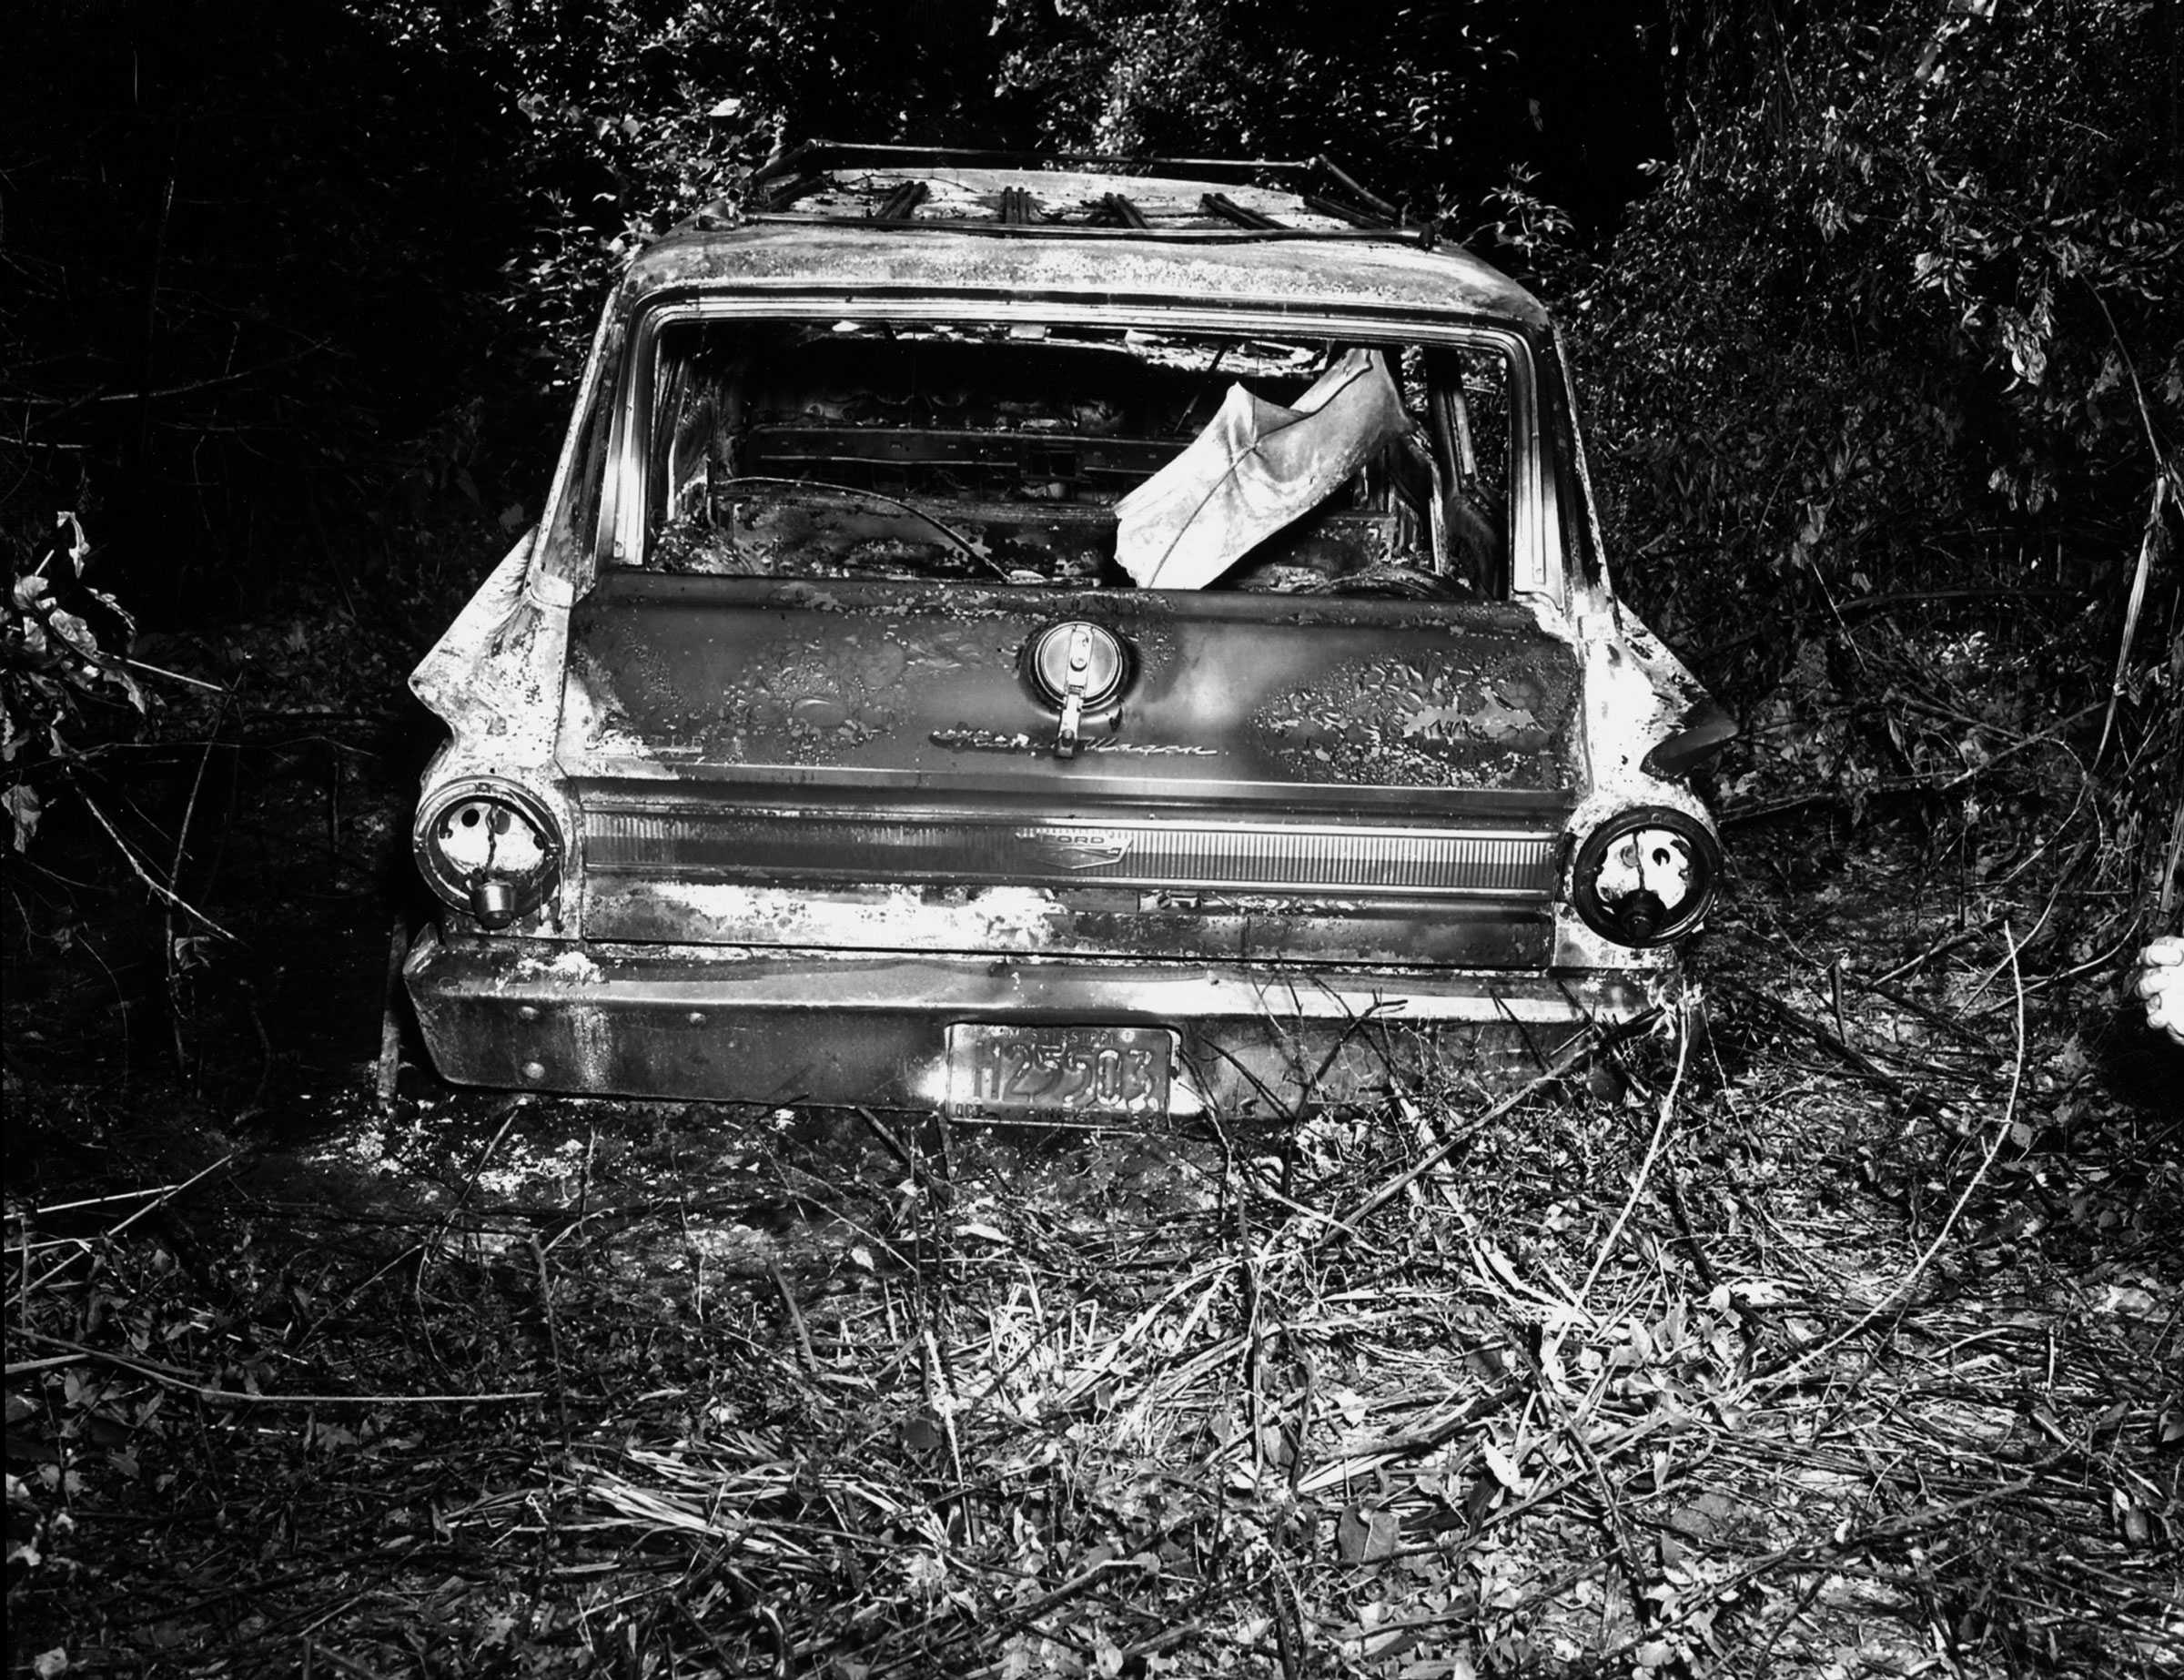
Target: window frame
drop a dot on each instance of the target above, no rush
(1536, 570)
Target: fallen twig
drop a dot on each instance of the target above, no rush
(1565, 1063)
(1777, 1377)
(129, 856)
(191, 1383)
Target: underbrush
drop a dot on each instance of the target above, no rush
(1832, 1339)
(1832, 1330)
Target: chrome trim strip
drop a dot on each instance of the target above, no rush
(779, 847)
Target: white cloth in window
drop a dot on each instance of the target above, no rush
(1256, 466)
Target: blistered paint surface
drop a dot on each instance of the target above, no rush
(823, 687)
(1227, 699)
(813, 698)
(1480, 718)
(495, 676)
(1635, 693)
(606, 731)
(1060, 923)
(1001, 919)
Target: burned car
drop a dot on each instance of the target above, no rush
(1053, 639)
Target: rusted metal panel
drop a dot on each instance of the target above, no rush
(1248, 699)
(726, 733)
(1354, 273)
(1176, 925)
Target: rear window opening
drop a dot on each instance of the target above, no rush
(1074, 456)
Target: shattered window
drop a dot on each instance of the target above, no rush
(1078, 456)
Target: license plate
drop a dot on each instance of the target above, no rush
(1058, 1073)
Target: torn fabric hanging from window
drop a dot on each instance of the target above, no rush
(1255, 469)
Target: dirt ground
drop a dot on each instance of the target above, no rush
(1835, 1333)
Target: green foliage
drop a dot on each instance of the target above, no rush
(1404, 90)
(1437, 105)
(1907, 298)
(52, 666)
(618, 119)
(252, 244)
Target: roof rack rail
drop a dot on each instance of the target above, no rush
(1229, 210)
(901, 202)
(1323, 185)
(1116, 210)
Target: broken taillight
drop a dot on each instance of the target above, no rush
(489, 847)
(1645, 877)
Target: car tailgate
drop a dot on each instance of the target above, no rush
(859, 765)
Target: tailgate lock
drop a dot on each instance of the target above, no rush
(1080, 667)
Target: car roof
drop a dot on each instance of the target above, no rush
(1289, 235)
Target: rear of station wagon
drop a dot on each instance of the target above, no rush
(1054, 642)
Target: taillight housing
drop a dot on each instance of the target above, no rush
(1645, 877)
(490, 847)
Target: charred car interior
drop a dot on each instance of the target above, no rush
(921, 450)
(1056, 643)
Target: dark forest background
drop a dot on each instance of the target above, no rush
(1875, 304)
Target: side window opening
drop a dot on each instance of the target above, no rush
(1024, 455)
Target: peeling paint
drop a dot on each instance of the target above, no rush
(1626, 714)
(597, 731)
(999, 918)
(573, 966)
(1395, 275)
(1081, 922)
(493, 678)
(717, 672)
(813, 698)
(1426, 721)
(496, 679)
(1635, 692)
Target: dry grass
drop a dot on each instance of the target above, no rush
(1840, 1343)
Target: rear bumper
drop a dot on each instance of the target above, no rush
(799, 1026)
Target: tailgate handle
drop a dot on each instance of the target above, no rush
(1080, 667)
(1073, 693)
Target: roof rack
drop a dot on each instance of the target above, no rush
(897, 191)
